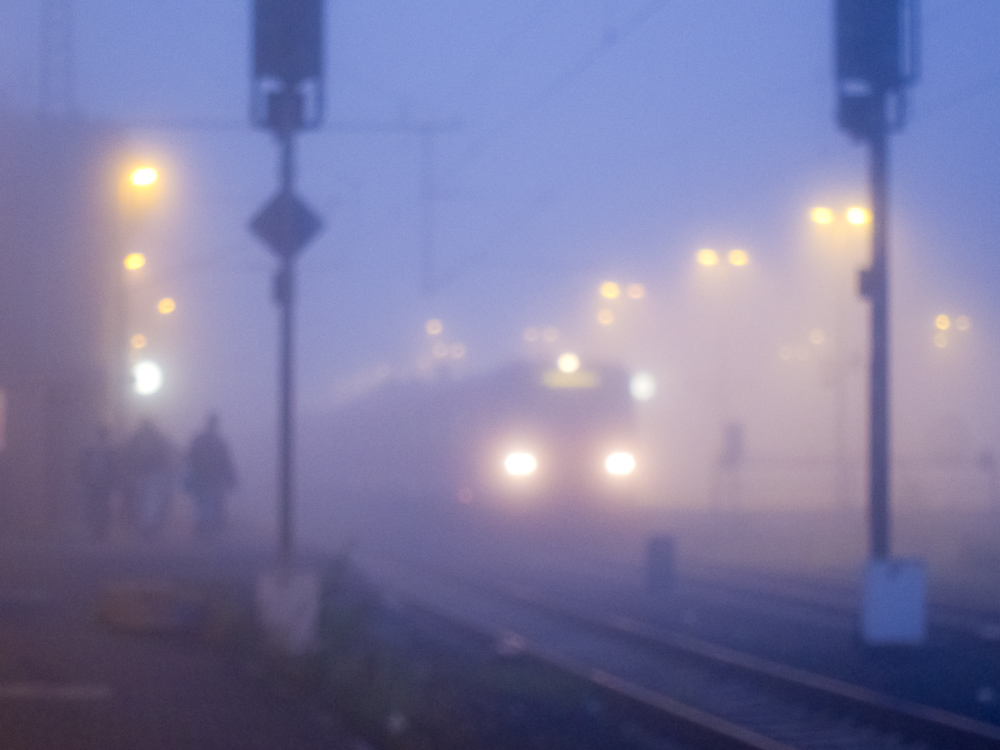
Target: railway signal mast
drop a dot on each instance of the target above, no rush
(286, 98)
(876, 62)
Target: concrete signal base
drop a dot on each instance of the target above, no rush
(894, 603)
(287, 606)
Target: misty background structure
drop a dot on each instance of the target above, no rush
(610, 142)
(62, 371)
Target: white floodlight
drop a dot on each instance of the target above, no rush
(147, 377)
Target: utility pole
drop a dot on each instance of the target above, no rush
(876, 62)
(287, 98)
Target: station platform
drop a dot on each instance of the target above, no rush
(71, 677)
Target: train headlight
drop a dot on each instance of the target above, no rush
(619, 463)
(520, 463)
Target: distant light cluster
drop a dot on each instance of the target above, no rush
(442, 349)
(534, 334)
(709, 257)
(857, 215)
(944, 323)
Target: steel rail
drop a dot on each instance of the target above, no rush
(913, 720)
(977, 621)
(652, 710)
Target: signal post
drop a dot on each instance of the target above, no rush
(287, 98)
(876, 62)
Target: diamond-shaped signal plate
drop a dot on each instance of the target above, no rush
(286, 224)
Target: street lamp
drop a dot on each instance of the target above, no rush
(738, 257)
(943, 323)
(144, 176)
(610, 290)
(707, 257)
(134, 261)
(821, 215)
(857, 215)
(138, 191)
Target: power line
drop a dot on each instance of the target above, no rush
(610, 38)
(501, 235)
(337, 127)
(961, 96)
(508, 44)
(608, 42)
(426, 132)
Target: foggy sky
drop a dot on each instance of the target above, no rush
(599, 139)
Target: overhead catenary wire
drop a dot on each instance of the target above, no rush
(609, 40)
(961, 96)
(562, 81)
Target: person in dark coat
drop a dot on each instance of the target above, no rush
(209, 475)
(148, 463)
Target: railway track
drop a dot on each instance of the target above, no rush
(702, 694)
(981, 623)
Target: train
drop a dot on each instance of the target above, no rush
(522, 433)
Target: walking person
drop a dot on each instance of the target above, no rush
(209, 475)
(148, 463)
(98, 479)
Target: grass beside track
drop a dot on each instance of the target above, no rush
(404, 679)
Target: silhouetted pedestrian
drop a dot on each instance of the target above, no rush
(98, 479)
(209, 475)
(147, 463)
